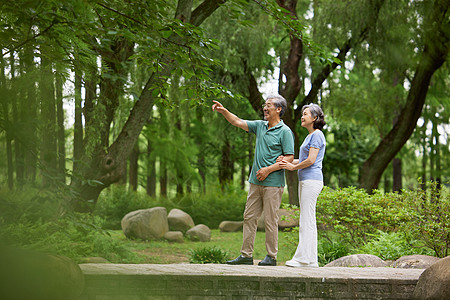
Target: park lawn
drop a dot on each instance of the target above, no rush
(162, 252)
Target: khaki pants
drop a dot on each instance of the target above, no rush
(261, 198)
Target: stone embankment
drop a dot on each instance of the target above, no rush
(215, 281)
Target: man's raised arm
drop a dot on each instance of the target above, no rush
(232, 118)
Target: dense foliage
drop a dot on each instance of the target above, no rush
(29, 220)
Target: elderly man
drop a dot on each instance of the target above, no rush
(273, 138)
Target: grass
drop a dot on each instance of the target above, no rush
(163, 252)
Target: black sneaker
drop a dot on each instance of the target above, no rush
(241, 260)
(268, 261)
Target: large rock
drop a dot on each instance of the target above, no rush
(415, 262)
(434, 282)
(28, 275)
(95, 260)
(174, 237)
(180, 221)
(358, 260)
(287, 219)
(231, 226)
(200, 233)
(146, 224)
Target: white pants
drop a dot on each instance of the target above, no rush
(308, 191)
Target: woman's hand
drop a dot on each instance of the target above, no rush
(280, 158)
(287, 165)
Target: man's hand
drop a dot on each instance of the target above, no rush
(232, 118)
(262, 173)
(217, 106)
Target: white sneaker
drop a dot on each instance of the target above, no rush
(296, 264)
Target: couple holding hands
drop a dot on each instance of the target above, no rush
(274, 153)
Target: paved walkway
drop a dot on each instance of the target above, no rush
(227, 270)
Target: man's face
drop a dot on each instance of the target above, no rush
(270, 111)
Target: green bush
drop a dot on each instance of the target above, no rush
(355, 215)
(208, 255)
(37, 220)
(391, 246)
(427, 215)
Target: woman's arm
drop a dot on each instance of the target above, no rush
(312, 156)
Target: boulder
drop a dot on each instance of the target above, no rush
(180, 221)
(434, 282)
(358, 260)
(146, 224)
(200, 233)
(287, 219)
(27, 275)
(231, 226)
(174, 237)
(95, 260)
(415, 262)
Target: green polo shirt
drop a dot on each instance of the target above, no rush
(270, 143)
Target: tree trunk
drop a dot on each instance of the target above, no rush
(397, 175)
(423, 183)
(226, 167)
(433, 56)
(201, 154)
(436, 153)
(48, 121)
(151, 171)
(5, 108)
(179, 173)
(29, 115)
(134, 166)
(78, 147)
(162, 178)
(60, 128)
(19, 155)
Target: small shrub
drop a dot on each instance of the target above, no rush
(329, 251)
(208, 255)
(391, 246)
(427, 215)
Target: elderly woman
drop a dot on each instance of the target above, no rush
(309, 166)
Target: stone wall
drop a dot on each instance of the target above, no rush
(254, 283)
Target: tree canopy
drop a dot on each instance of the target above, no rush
(141, 75)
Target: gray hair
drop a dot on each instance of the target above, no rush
(279, 101)
(316, 112)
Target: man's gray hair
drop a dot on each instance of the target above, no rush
(279, 101)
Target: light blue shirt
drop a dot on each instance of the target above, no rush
(270, 143)
(313, 172)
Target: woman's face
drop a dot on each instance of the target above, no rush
(307, 119)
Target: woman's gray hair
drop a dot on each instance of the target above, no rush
(316, 112)
(279, 101)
